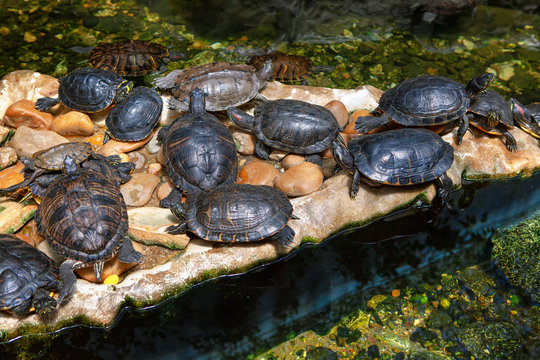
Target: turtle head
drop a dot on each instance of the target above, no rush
(265, 71)
(493, 117)
(70, 165)
(196, 101)
(519, 112)
(43, 302)
(479, 84)
(241, 119)
(123, 89)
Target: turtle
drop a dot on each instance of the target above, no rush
(528, 118)
(132, 58)
(83, 217)
(198, 151)
(291, 125)
(427, 100)
(46, 165)
(88, 90)
(135, 117)
(491, 113)
(224, 84)
(28, 278)
(236, 213)
(287, 67)
(400, 157)
(433, 8)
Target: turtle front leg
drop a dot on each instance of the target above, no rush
(127, 254)
(463, 127)
(68, 278)
(444, 186)
(511, 143)
(355, 186)
(45, 103)
(365, 124)
(177, 105)
(262, 150)
(168, 81)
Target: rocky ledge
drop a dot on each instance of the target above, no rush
(175, 263)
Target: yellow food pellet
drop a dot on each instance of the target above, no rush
(445, 303)
(111, 280)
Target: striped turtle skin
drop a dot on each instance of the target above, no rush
(27, 277)
(527, 117)
(285, 67)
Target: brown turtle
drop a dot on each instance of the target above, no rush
(287, 67)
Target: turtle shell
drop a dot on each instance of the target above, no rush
(53, 157)
(295, 126)
(83, 216)
(199, 152)
(129, 58)
(89, 89)
(23, 270)
(491, 100)
(425, 101)
(402, 157)
(224, 84)
(136, 116)
(285, 67)
(238, 212)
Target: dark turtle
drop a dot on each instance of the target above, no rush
(27, 277)
(490, 113)
(399, 157)
(45, 165)
(135, 117)
(83, 216)
(198, 150)
(528, 118)
(88, 90)
(236, 213)
(434, 8)
(290, 125)
(224, 84)
(426, 101)
(132, 58)
(286, 67)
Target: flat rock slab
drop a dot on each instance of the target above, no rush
(320, 214)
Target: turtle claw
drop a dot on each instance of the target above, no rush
(127, 254)
(285, 236)
(176, 229)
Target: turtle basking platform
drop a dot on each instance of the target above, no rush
(187, 261)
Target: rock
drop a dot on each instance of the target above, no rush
(13, 214)
(138, 159)
(258, 172)
(292, 160)
(27, 141)
(99, 118)
(349, 129)
(96, 140)
(340, 112)
(31, 232)
(300, 180)
(147, 225)
(25, 84)
(110, 268)
(73, 123)
(159, 157)
(278, 155)
(138, 190)
(164, 189)
(8, 156)
(245, 142)
(115, 147)
(11, 175)
(4, 133)
(23, 113)
(153, 145)
(154, 168)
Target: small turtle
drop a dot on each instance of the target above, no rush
(224, 84)
(287, 67)
(290, 125)
(426, 101)
(399, 157)
(88, 90)
(198, 150)
(528, 118)
(236, 213)
(132, 58)
(135, 117)
(83, 216)
(490, 113)
(27, 278)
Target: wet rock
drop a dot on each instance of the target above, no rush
(11, 175)
(73, 123)
(321, 353)
(23, 113)
(110, 268)
(13, 214)
(245, 142)
(147, 225)
(8, 156)
(258, 172)
(138, 190)
(138, 159)
(154, 169)
(115, 147)
(154, 256)
(27, 141)
(339, 110)
(292, 160)
(300, 180)
(164, 189)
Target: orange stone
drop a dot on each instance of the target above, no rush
(300, 180)
(292, 160)
(258, 172)
(115, 147)
(164, 189)
(339, 110)
(73, 123)
(23, 113)
(11, 175)
(95, 140)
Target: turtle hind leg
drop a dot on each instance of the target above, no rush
(285, 236)
(177, 229)
(444, 187)
(463, 126)
(262, 150)
(68, 279)
(315, 159)
(45, 103)
(511, 143)
(43, 302)
(127, 254)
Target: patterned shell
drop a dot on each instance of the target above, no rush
(83, 216)
(425, 100)
(285, 67)
(492, 100)
(199, 152)
(53, 157)
(295, 126)
(136, 116)
(238, 212)
(130, 58)
(224, 84)
(88, 89)
(402, 157)
(23, 270)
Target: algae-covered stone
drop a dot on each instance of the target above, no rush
(497, 340)
(516, 252)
